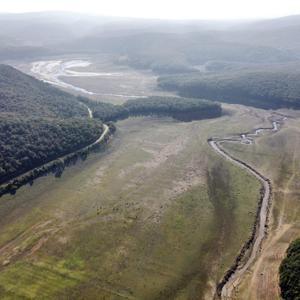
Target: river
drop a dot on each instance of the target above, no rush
(233, 277)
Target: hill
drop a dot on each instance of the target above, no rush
(20, 93)
(27, 143)
(176, 53)
(259, 88)
(176, 47)
(38, 123)
(280, 33)
(163, 46)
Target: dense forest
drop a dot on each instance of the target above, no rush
(38, 123)
(184, 109)
(290, 273)
(20, 93)
(264, 89)
(28, 143)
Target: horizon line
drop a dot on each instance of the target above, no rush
(241, 19)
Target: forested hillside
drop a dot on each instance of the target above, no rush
(28, 143)
(105, 111)
(20, 93)
(265, 89)
(38, 123)
(290, 273)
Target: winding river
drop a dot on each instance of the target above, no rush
(234, 275)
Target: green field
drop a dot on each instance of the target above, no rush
(158, 215)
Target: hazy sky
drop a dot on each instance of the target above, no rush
(170, 9)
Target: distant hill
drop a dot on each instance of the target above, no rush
(275, 24)
(32, 35)
(155, 44)
(46, 28)
(177, 53)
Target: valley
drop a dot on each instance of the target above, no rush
(149, 159)
(262, 279)
(139, 162)
(116, 206)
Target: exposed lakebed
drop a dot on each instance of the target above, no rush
(51, 71)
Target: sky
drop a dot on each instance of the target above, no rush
(163, 9)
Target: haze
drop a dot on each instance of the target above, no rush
(167, 9)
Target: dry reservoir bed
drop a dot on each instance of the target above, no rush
(278, 157)
(96, 77)
(157, 216)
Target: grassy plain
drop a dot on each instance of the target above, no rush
(158, 215)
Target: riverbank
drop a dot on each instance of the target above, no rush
(250, 249)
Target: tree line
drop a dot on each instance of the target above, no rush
(183, 109)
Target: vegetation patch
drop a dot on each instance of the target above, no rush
(183, 109)
(26, 279)
(27, 96)
(290, 273)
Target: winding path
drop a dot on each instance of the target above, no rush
(233, 277)
(105, 127)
